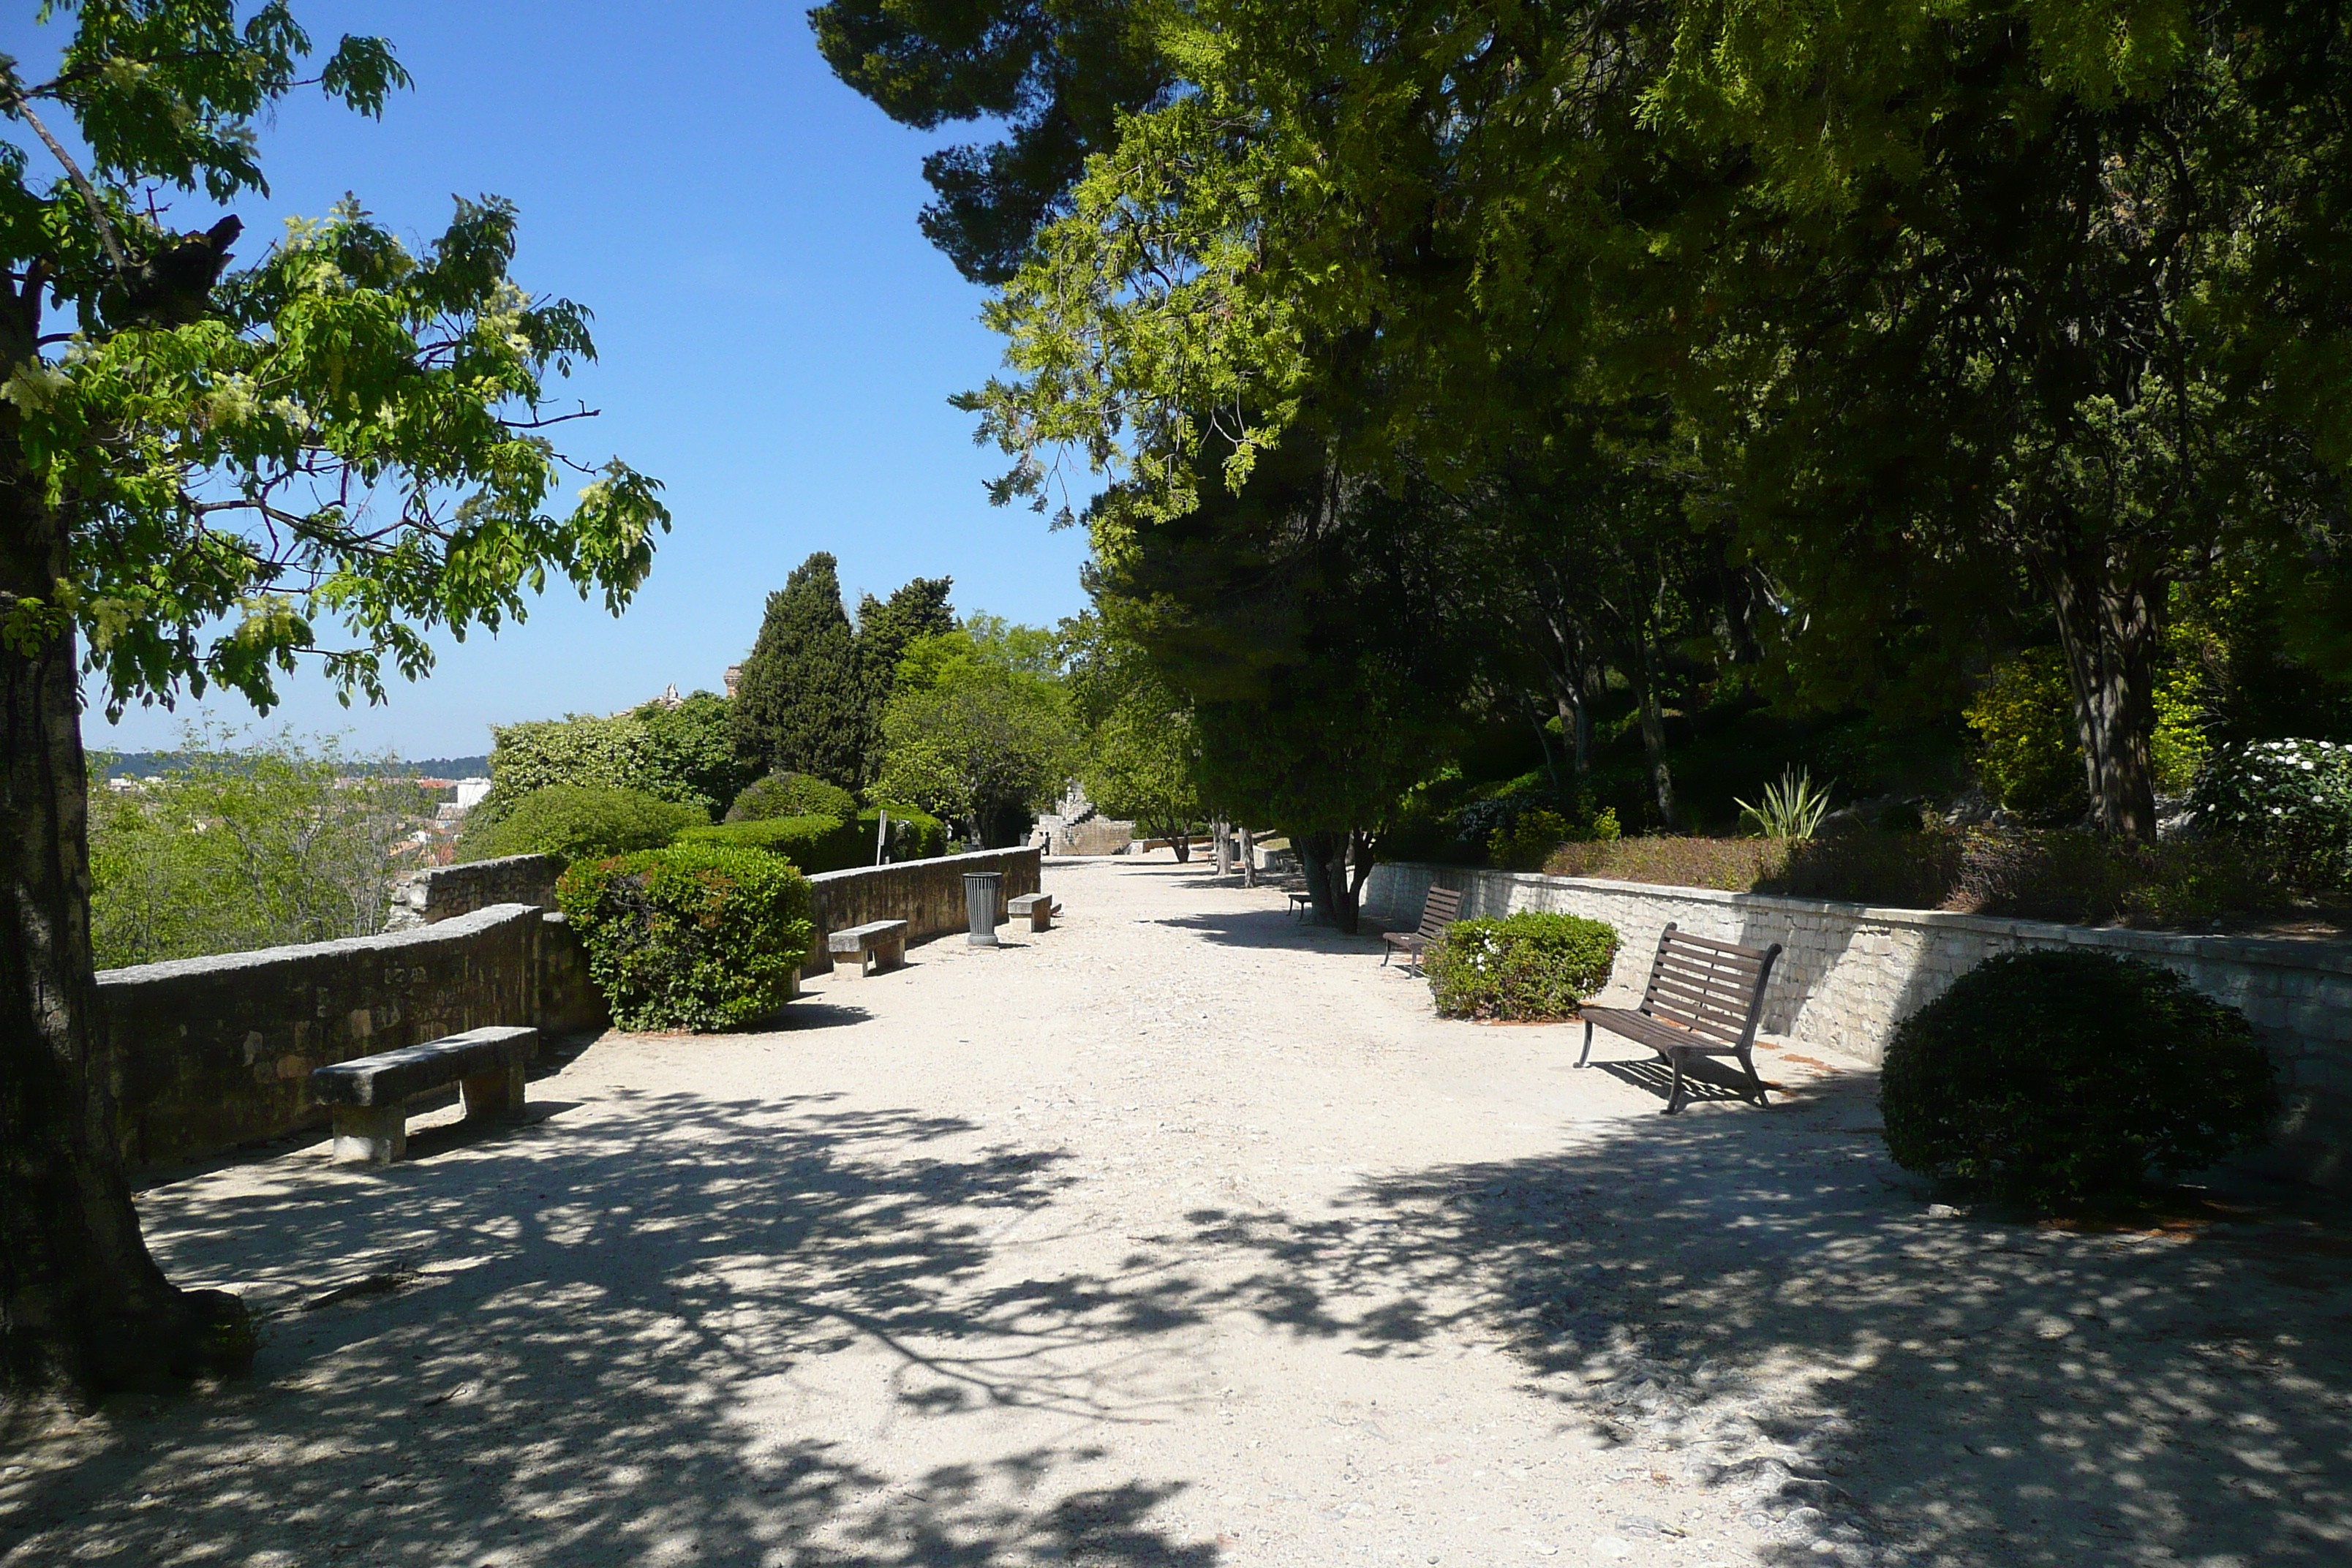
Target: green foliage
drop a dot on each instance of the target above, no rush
(1528, 842)
(579, 821)
(2292, 797)
(684, 754)
(792, 794)
(976, 732)
(1790, 809)
(886, 628)
(813, 843)
(241, 846)
(801, 700)
(698, 936)
(2058, 1079)
(1139, 758)
(1526, 966)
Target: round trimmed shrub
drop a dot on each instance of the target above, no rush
(2055, 1078)
(1526, 967)
(579, 823)
(792, 794)
(696, 936)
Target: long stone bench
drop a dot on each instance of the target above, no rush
(1038, 908)
(883, 942)
(369, 1096)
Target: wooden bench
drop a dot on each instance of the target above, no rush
(1039, 907)
(1703, 1000)
(1441, 908)
(883, 942)
(369, 1096)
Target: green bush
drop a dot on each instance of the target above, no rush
(2292, 797)
(579, 823)
(1523, 844)
(820, 843)
(792, 794)
(2059, 1078)
(683, 754)
(2027, 756)
(914, 835)
(1523, 966)
(696, 936)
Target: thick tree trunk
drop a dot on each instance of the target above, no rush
(1223, 834)
(1249, 858)
(83, 1307)
(2111, 627)
(1323, 857)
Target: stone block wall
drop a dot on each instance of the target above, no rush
(219, 1051)
(1849, 972)
(927, 894)
(441, 892)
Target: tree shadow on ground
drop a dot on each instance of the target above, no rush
(582, 1344)
(1749, 1299)
(1270, 929)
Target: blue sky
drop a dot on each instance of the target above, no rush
(777, 341)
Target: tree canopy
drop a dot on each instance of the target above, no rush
(800, 702)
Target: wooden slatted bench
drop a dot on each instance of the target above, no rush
(1441, 908)
(1039, 909)
(1703, 1000)
(369, 1096)
(881, 942)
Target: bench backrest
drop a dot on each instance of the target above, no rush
(1714, 989)
(1440, 910)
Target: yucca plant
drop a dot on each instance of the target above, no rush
(1793, 808)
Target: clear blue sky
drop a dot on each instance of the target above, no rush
(777, 341)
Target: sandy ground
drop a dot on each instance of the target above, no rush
(1185, 1235)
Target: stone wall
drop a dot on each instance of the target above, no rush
(219, 1051)
(441, 892)
(927, 894)
(1849, 972)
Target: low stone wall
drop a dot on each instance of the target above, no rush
(927, 894)
(1849, 972)
(442, 892)
(219, 1051)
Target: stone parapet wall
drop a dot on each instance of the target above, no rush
(1849, 973)
(219, 1051)
(927, 894)
(443, 892)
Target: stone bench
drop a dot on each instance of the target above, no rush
(882, 941)
(369, 1096)
(1039, 907)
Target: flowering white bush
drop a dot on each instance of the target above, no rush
(2291, 796)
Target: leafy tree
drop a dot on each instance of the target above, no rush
(237, 848)
(1140, 754)
(1055, 73)
(207, 474)
(799, 701)
(685, 754)
(886, 629)
(689, 752)
(972, 735)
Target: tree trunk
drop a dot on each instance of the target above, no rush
(1249, 858)
(2111, 627)
(1323, 857)
(1654, 732)
(83, 1307)
(1223, 834)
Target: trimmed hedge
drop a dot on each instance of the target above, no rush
(792, 794)
(696, 936)
(579, 822)
(824, 843)
(1525, 966)
(2058, 1077)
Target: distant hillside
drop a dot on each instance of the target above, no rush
(147, 764)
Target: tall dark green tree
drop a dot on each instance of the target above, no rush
(800, 703)
(886, 629)
(207, 474)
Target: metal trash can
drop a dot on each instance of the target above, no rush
(983, 897)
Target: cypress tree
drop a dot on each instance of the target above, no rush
(800, 702)
(884, 630)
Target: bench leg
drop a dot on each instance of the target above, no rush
(1588, 1044)
(495, 1093)
(370, 1135)
(1041, 917)
(1754, 1082)
(891, 954)
(849, 965)
(1675, 1099)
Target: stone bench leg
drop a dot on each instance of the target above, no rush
(371, 1135)
(890, 953)
(850, 965)
(495, 1093)
(1041, 916)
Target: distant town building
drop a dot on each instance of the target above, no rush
(472, 791)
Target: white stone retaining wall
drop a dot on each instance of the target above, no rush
(1849, 972)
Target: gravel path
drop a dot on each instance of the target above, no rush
(1183, 1235)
